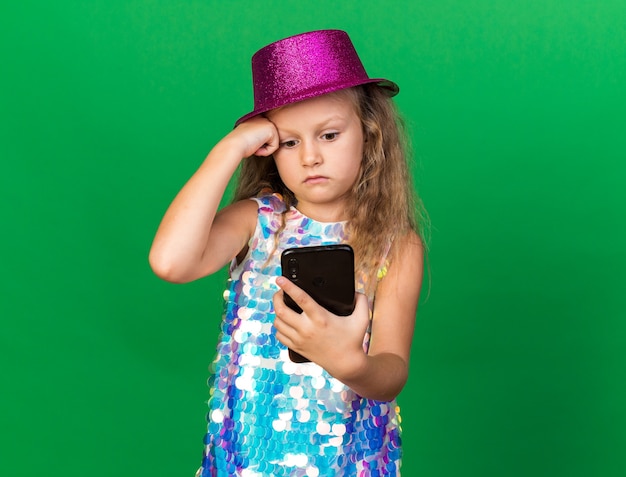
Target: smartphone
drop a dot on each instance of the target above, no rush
(326, 273)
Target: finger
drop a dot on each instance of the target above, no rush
(297, 294)
(284, 333)
(283, 325)
(284, 315)
(272, 140)
(279, 303)
(361, 303)
(260, 136)
(268, 148)
(361, 310)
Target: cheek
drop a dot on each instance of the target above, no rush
(284, 169)
(279, 161)
(350, 172)
(353, 166)
(355, 172)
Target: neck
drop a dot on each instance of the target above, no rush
(323, 214)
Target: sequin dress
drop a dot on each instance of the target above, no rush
(269, 416)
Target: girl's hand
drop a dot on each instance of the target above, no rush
(256, 136)
(334, 342)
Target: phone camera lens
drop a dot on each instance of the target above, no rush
(293, 268)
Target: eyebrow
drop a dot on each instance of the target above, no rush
(323, 124)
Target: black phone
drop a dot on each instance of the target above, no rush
(326, 273)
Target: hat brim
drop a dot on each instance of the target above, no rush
(389, 87)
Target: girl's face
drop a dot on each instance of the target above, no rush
(320, 153)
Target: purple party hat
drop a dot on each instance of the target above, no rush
(305, 66)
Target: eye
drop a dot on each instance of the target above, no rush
(330, 136)
(289, 144)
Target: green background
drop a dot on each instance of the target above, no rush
(517, 113)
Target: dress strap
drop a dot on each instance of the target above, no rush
(384, 261)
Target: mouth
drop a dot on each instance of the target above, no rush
(315, 180)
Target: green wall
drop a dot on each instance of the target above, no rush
(517, 111)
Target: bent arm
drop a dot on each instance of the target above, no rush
(383, 372)
(193, 239)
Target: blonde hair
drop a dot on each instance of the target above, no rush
(383, 204)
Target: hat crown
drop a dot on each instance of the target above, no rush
(303, 63)
(305, 66)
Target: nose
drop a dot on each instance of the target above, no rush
(310, 154)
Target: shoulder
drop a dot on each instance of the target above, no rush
(250, 208)
(244, 207)
(239, 216)
(409, 243)
(263, 212)
(405, 259)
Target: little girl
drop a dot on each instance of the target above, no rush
(322, 162)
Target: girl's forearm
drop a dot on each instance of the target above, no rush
(182, 236)
(380, 377)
